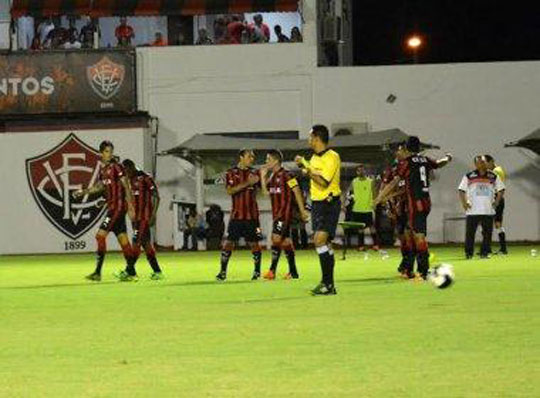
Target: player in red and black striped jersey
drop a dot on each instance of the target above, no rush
(146, 201)
(114, 184)
(285, 196)
(242, 183)
(397, 210)
(415, 169)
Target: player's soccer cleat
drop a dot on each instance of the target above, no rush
(288, 275)
(256, 275)
(157, 276)
(221, 277)
(375, 248)
(123, 276)
(94, 277)
(361, 248)
(270, 275)
(323, 290)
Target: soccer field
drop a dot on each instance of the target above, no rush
(188, 335)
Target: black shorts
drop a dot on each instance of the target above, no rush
(365, 218)
(418, 222)
(325, 216)
(401, 223)
(250, 230)
(281, 228)
(114, 222)
(499, 211)
(141, 234)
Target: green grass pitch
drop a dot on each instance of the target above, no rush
(189, 336)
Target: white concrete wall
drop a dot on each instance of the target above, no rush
(465, 108)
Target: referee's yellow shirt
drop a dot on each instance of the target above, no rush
(328, 164)
(500, 172)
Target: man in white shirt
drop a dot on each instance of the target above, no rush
(480, 191)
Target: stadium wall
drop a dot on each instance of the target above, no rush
(37, 216)
(464, 108)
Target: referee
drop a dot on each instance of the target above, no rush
(323, 170)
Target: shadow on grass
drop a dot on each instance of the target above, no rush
(390, 279)
(59, 285)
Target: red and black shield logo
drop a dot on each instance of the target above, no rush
(54, 176)
(106, 77)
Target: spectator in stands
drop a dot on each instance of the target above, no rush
(44, 29)
(36, 44)
(87, 34)
(296, 36)
(72, 30)
(203, 38)
(124, 33)
(260, 32)
(73, 43)
(220, 30)
(235, 29)
(159, 40)
(281, 38)
(56, 38)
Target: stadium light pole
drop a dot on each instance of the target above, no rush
(414, 43)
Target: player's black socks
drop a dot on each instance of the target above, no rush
(225, 257)
(276, 253)
(152, 260)
(257, 256)
(326, 264)
(291, 259)
(423, 263)
(502, 240)
(100, 257)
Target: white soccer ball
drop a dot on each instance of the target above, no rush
(442, 276)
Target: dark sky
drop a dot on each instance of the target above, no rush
(453, 31)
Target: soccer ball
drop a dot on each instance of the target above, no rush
(442, 276)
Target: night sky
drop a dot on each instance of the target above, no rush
(453, 31)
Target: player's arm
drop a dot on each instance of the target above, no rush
(234, 189)
(387, 192)
(129, 197)
(293, 183)
(444, 161)
(264, 181)
(93, 190)
(155, 200)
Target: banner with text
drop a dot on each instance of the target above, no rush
(68, 82)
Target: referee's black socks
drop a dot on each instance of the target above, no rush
(326, 258)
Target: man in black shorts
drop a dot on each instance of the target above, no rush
(114, 183)
(242, 182)
(323, 170)
(285, 195)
